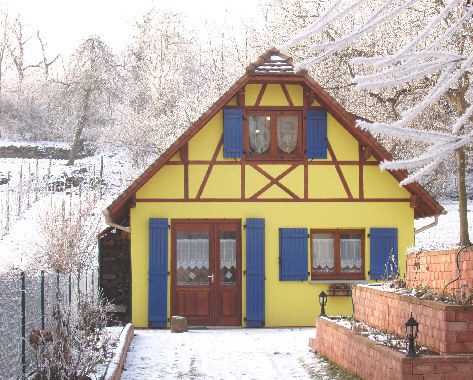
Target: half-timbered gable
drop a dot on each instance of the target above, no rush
(268, 198)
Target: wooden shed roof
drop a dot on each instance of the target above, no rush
(273, 66)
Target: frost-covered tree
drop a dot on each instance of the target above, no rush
(174, 73)
(93, 83)
(437, 57)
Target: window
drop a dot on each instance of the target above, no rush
(274, 134)
(338, 254)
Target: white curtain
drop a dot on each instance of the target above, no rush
(193, 253)
(227, 253)
(288, 131)
(260, 134)
(323, 254)
(350, 255)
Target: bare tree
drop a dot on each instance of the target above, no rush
(5, 42)
(45, 62)
(17, 49)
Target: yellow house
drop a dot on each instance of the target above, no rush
(271, 196)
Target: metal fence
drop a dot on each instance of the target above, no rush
(27, 301)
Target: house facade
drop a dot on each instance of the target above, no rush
(269, 197)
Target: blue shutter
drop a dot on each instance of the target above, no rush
(232, 133)
(158, 273)
(293, 254)
(255, 272)
(316, 134)
(383, 242)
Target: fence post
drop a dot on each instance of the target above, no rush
(70, 290)
(23, 324)
(93, 289)
(42, 300)
(57, 289)
(78, 285)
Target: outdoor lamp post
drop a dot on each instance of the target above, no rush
(322, 302)
(412, 328)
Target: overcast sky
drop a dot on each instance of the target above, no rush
(65, 23)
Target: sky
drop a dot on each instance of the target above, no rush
(63, 24)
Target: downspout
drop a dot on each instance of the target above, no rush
(433, 224)
(109, 222)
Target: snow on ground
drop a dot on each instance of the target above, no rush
(226, 354)
(17, 240)
(445, 235)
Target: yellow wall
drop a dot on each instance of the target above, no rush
(287, 303)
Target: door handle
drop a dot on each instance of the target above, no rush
(211, 277)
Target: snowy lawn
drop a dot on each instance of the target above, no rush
(227, 354)
(445, 235)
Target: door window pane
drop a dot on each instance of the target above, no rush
(260, 134)
(350, 253)
(228, 258)
(323, 253)
(193, 258)
(288, 133)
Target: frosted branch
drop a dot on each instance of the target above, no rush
(425, 32)
(319, 24)
(443, 84)
(425, 170)
(400, 74)
(465, 118)
(397, 130)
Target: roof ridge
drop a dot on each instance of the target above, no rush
(273, 62)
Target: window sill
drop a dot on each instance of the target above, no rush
(255, 157)
(335, 281)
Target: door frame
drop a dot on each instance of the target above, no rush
(216, 318)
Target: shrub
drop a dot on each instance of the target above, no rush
(74, 344)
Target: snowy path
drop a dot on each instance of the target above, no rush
(225, 354)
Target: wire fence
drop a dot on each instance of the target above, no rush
(35, 181)
(27, 301)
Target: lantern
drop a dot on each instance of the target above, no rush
(322, 302)
(412, 328)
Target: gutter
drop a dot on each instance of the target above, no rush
(109, 222)
(433, 224)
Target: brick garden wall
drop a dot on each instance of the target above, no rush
(447, 329)
(370, 360)
(437, 269)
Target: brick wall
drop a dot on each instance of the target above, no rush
(444, 328)
(370, 360)
(437, 269)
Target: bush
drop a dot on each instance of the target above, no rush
(74, 344)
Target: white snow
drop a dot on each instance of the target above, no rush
(224, 354)
(446, 234)
(17, 241)
(118, 334)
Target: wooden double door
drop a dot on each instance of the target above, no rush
(206, 271)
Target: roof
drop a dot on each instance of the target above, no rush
(274, 66)
(273, 63)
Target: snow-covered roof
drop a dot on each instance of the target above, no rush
(424, 204)
(273, 63)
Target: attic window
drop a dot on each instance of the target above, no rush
(274, 134)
